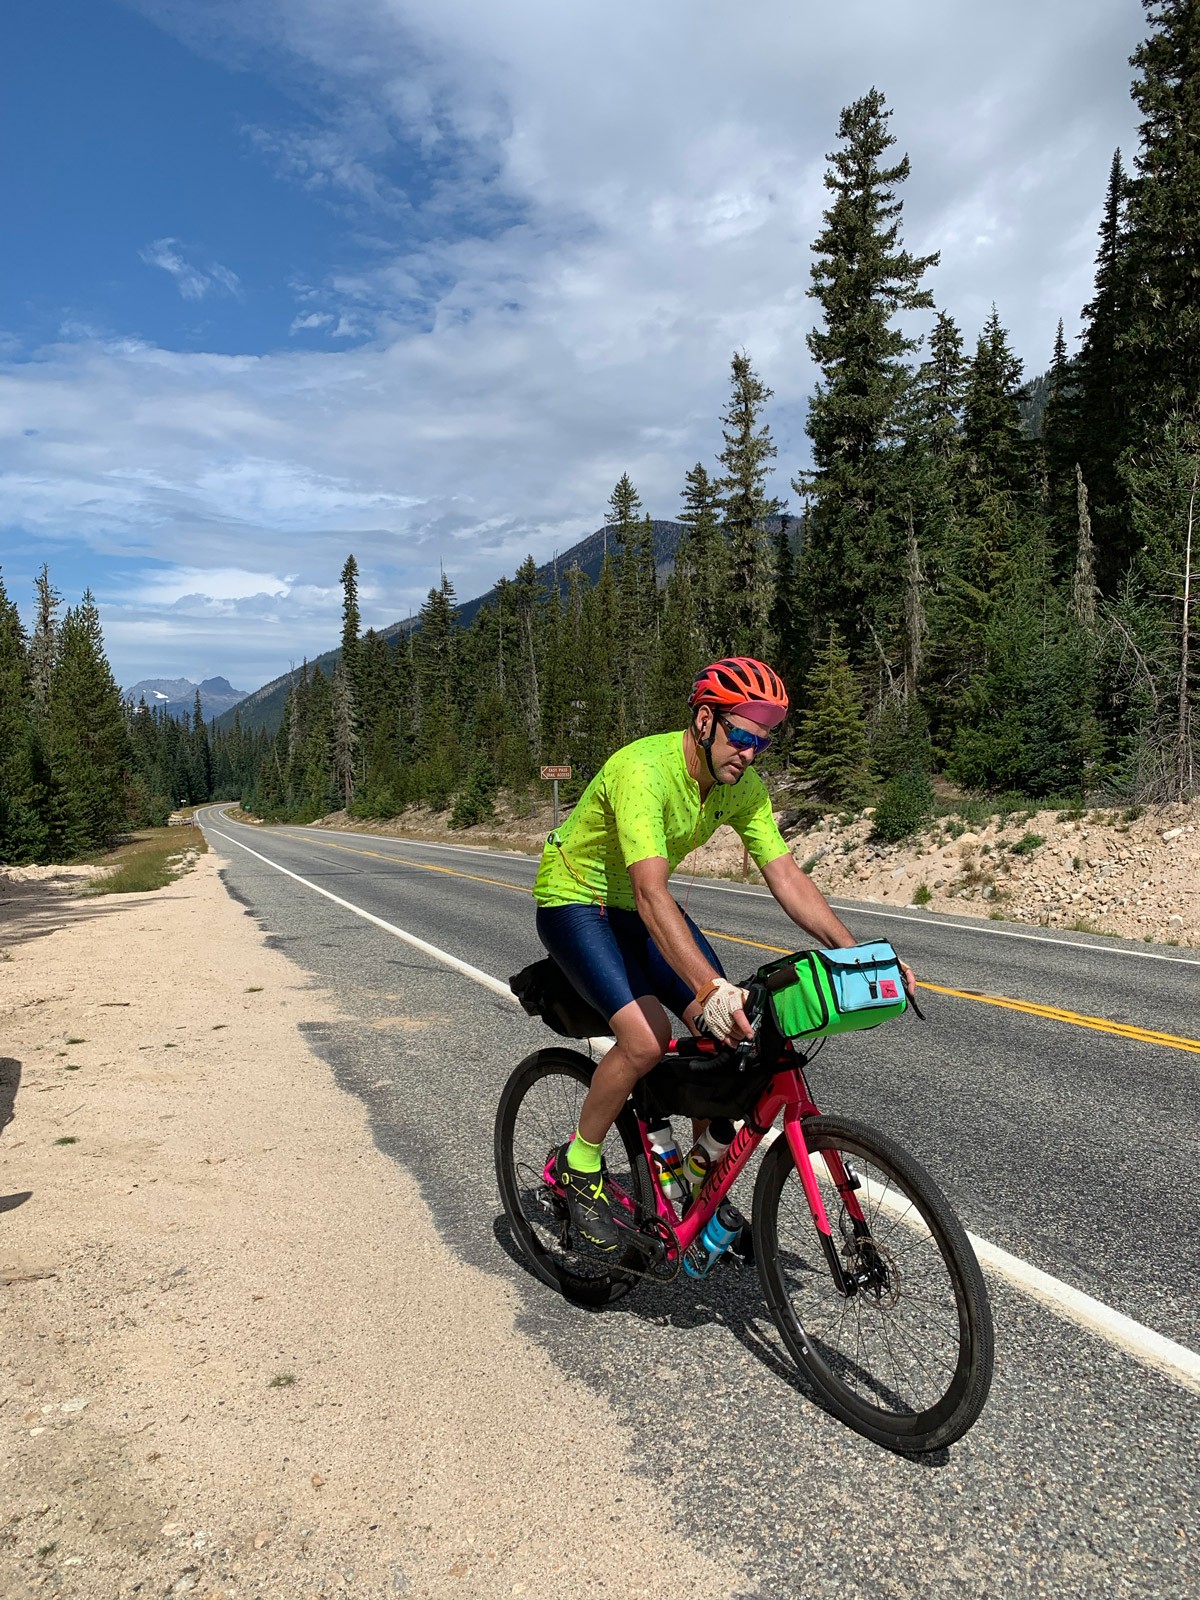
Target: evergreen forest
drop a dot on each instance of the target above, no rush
(987, 579)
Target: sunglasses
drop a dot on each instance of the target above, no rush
(742, 739)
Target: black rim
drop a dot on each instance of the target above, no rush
(896, 1349)
(544, 1114)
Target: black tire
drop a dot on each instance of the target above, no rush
(907, 1359)
(538, 1110)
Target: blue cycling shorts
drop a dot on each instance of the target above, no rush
(611, 959)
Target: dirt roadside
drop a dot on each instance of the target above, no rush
(218, 1374)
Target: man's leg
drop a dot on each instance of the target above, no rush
(642, 1031)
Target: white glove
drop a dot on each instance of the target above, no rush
(722, 1001)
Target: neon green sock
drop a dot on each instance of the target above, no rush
(583, 1156)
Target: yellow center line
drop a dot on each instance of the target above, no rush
(1122, 1030)
(423, 866)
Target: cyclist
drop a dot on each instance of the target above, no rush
(607, 916)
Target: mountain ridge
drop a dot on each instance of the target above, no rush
(178, 695)
(263, 707)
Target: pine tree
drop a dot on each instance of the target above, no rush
(831, 739)
(201, 753)
(863, 281)
(1165, 490)
(528, 595)
(999, 459)
(1161, 337)
(939, 390)
(1102, 378)
(345, 733)
(704, 557)
(23, 832)
(87, 740)
(1059, 440)
(43, 646)
(745, 505)
(351, 627)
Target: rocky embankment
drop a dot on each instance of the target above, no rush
(1135, 875)
(1132, 873)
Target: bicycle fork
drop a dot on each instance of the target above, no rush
(846, 1183)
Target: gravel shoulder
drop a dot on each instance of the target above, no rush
(237, 1359)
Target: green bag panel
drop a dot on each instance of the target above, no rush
(819, 993)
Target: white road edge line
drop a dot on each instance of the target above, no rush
(1152, 1349)
(468, 971)
(855, 907)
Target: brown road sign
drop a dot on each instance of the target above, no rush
(556, 772)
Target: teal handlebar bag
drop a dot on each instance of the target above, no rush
(818, 993)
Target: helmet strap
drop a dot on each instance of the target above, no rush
(706, 744)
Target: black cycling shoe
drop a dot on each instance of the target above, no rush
(588, 1202)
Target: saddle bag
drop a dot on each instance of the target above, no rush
(818, 993)
(545, 991)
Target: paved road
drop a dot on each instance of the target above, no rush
(1070, 1146)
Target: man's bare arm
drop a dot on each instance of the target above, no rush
(805, 904)
(809, 909)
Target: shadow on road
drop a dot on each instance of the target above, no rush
(10, 1082)
(686, 1305)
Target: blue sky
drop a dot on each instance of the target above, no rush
(421, 278)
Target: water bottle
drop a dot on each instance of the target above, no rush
(720, 1231)
(667, 1160)
(706, 1152)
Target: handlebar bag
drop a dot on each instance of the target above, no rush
(818, 993)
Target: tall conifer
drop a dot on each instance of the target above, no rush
(863, 280)
(745, 504)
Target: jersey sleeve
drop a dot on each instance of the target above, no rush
(638, 802)
(756, 826)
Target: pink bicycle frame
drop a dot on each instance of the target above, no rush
(788, 1092)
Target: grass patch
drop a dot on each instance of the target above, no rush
(1027, 844)
(255, 988)
(282, 1380)
(67, 1138)
(149, 860)
(922, 895)
(74, 1041)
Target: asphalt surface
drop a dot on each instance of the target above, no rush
(1073, 1148)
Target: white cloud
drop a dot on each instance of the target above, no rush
(615, 196)
(193, 283)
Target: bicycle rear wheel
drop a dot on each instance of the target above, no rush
(538, 1110)
(905, 1355)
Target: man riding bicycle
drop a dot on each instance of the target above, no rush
(607, 916)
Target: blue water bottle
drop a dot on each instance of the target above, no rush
(720, 1231)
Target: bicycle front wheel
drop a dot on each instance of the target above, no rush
(901, 1347)
(538, 1110)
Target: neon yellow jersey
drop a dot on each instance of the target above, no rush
(643, 802)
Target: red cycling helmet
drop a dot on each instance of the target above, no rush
(743, 686)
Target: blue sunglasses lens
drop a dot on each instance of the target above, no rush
(743, 739)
